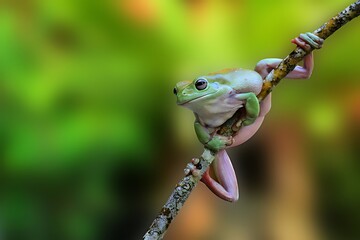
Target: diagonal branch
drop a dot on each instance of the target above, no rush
(184, 187)
(325, 31)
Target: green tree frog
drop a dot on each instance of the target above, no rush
(214, 98)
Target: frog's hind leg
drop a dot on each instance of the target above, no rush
(225, 186)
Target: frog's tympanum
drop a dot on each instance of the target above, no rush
(214, 98)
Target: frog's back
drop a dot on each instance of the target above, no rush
(242, 80)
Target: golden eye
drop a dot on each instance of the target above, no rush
(201, 84)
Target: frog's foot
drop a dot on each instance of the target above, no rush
(245, 122)
(219, 142)
(308, 40)
(192, 168)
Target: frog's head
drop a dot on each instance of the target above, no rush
(201, 88)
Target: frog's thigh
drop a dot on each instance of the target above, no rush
(265, 106)
(225, 186)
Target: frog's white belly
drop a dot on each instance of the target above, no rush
(215, 112)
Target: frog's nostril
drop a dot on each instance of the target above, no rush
(175, 91)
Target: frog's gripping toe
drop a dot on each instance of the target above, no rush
(313, 40)
(308, 40)
(192, 168)
(245, 121)
(248, 121)
(219, 142)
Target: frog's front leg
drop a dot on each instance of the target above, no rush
(212, 141)
(252, 107)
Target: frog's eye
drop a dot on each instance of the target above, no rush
(175, 91)
(201, 84)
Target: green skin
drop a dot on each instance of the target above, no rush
(215, 98)
(225, 92)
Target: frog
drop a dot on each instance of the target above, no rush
(214, 98)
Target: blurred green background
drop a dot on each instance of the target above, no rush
(92, 142)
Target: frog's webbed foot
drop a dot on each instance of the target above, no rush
(308, 40)
(219, 142)
(212, 141)
(193, 168)
(244, 122)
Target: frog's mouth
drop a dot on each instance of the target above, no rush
(193, 100)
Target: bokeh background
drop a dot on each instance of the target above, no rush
(92, 142)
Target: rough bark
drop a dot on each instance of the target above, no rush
(184, 187)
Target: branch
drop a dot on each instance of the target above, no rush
(184, 187)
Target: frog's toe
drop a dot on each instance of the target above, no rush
(195, 161)
(229, 141)
(192, 169)
(219, 142)
(311, 39)
(301, 43)
(248, 121)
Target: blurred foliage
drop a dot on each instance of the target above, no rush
(88, 121)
